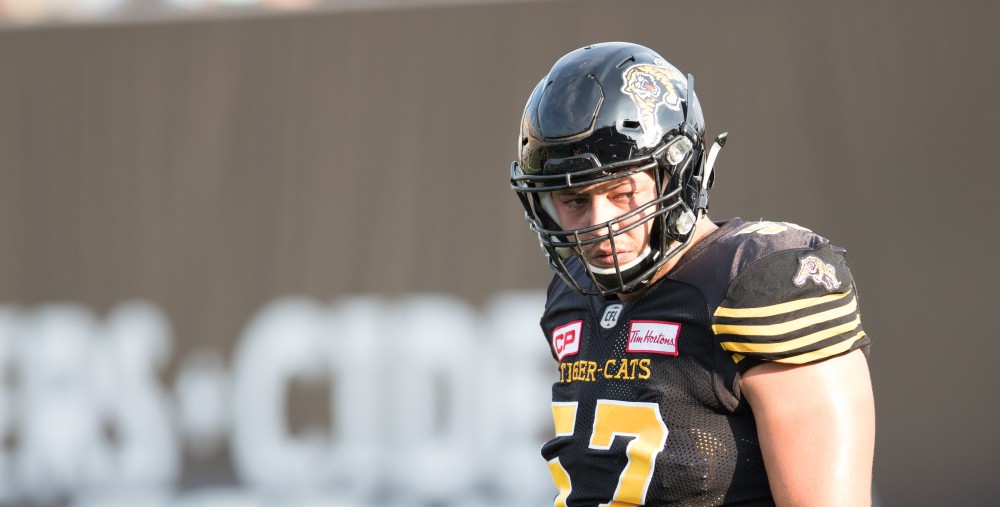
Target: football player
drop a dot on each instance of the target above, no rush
(699, 362)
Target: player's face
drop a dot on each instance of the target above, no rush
(597, 204)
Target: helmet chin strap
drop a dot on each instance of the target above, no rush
(709, 175)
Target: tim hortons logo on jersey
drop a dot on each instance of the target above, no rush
(653, 336)
(566, 339)
(611, 313)
(821, 273)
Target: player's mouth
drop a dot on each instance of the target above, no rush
(605, 259)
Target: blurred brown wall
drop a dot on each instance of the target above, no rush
(213, 166)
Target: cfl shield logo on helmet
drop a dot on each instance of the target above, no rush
(815, 269)
(566, 339)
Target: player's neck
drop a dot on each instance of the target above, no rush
(704, 228)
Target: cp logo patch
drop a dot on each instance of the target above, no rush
(566, 339)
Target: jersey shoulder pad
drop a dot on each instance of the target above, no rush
(792, 300)
(715, 262)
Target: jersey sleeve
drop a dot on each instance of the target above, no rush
(793, 306)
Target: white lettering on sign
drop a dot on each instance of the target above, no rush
(429, 397)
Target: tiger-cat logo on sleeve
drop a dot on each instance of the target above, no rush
(815, 269)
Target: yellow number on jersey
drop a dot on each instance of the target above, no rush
(641, 421)
(765, 228)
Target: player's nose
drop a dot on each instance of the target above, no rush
(602, 211)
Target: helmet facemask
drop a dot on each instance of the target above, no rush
(606, 112)
(671, 220)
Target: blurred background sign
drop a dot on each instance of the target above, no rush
(422, 400)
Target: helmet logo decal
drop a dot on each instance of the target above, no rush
(651, 86)
(821, 273)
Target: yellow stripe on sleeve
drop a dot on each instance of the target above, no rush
(824, 352)
(786, 327)
(785, 346)
(787, 307)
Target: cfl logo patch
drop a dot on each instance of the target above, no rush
(566, 339)
(611, 313)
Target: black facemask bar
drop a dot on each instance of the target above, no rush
(561, 245)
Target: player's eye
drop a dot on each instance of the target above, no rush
(624, 196)
(573, 201)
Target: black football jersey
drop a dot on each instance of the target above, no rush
(647, 406)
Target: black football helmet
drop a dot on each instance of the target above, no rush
(609, 111)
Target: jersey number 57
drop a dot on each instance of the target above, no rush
(641, 421)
